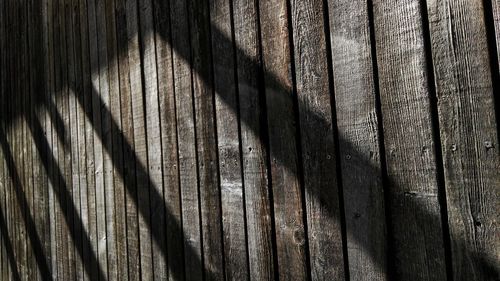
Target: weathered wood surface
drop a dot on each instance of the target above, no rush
(469, 138)
(249, 140)
(355, 89)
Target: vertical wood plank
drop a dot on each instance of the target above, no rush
(358, 129)
(42, 84)
(71, 156)
(226, 107)
(496, 18)
(48, 101)
(140, 149)
(140, 145)
(188, 176)
(3, 116)
(171, 195)
(117, 247)
(78, 144)
(206, 140)
(86, 147)
(468, 130)
(56, 120)
(287, 193)
(254, 154)
(127, 254)
(22, 168)
(102, 137)
(409, 141)
(317, 141)
(131, 86)
(157, 265)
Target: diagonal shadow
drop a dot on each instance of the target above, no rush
(62, 194)
(8, 248)
(27, 217)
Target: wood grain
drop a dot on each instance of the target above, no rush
(405, 94)
(469, 137)
(253, 144)
(317, 141)
(359, 142)
(287, 190)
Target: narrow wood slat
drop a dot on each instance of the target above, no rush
(87, 192)
(358, 129)
(48, 101)
(171, 195)
(128, 253)
(94, 166)
(287, 190)
(140, 146)
(71, 156)
(117, 247)
(496, 18)
(228, 140)
(113, 154)
(186, 141)
(405, 92)
(254, 154)
(78, 143)
(3, 115)
(469, 137)
(206, 140)
(157, 264)
(102, 135)
(317, 141)
(56, 120)
(24, 168)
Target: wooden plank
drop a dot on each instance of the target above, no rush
(62, 136)
(140, 147)
(33, 66)
(22, 78)
(287, 190)
(58, 163)
(405, 91)
(93, 147)
(41, 197)
(128, 45)
(358, 129)
(469, 137)
(98, 70)
(496, 18)
(112, 101)
(3, 116)
(3, 165)
(102, 137)
(254, 156)
(78, 144)
(48, 126)
(108, 86)
(206, 141)
(171, 195)
(119, 253)
(323, 208)
(127, 253)
(188, 176)
(71, 156)
(156, 263)
(142, 201)
(87, 191)
(228, 141)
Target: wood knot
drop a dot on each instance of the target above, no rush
(299, 236)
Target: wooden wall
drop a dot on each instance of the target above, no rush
(249, 140)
